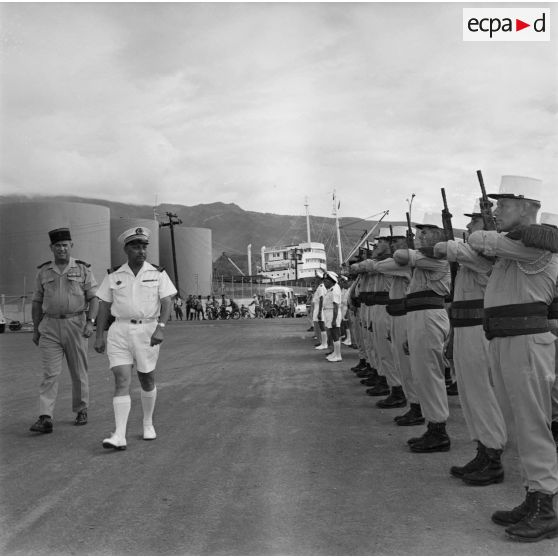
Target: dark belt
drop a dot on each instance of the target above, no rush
(64, 316)
(511, 320)
(553, 310)
(355, 300)
(466, 313)
(366, 297)
(396, 307)
(379, 297)
(424, 300)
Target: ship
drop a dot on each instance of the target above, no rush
(305, 260)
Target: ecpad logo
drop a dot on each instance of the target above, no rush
(506, 24)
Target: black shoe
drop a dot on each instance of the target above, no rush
(43, 425)
(412, 417)
(360, 366)
(452, 389)
(478, 462)
(370, 381)
(540, 521)
(394, 400)
(309, 329)
(366, 372)
(381, 388)
(81, 418)
(435, 439)
(491, 473)
(511, 517)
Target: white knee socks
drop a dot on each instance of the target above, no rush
(148, 399)
(121, 405)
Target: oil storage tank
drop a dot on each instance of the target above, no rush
(24, 242)
(120, 224)
(193, 258)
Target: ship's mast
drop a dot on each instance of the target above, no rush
(335, 208)
(307, 219)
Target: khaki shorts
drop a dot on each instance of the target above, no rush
(128, 343)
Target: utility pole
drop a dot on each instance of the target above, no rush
(173, 220)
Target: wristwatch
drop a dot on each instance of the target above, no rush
(161, 324)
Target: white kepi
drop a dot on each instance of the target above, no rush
(519, 188)
(431, 219)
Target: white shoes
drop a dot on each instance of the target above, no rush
(348, 343)
(333, 358)
(114, 442)
(149, 432)
(321, 347)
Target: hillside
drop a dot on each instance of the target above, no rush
(233, 228)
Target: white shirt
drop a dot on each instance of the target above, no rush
(332, 295)
(136, 296)
(320, 291)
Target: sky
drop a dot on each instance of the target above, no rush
(269, 105)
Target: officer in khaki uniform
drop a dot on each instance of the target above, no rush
(64, 293)
(521, 347)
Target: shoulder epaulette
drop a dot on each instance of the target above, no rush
(115, 268)
(159, 268)
(43, 264)
(83, 263)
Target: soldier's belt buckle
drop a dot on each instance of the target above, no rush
(62, 316)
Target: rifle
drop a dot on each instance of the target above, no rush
(446, 218)
(448, 229)
(485, 206)
(365, 237)
(410, 235)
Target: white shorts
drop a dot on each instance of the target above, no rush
(328, 318)
(128, 343)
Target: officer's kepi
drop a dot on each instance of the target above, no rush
(138, 234)
(60, 235)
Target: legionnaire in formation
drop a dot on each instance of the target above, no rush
(522, 348)
(482, 413)
(64, 307)
(332, 313)
(139, 296)
(503, 314)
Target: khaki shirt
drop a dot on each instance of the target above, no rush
(429, 274)
(520, 274)
(66, 292)
(473, 273)
(400, 277)
(136, 296)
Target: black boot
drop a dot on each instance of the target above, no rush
(554, 427)
(381, 388)
(360, 366)
(367, 372)
(435, 439)
(478, 462)
(491, 473)
(511, 517)
(539, 523)
(412, 417)
(371, 381)
(395, 399)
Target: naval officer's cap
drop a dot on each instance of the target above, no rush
(136, 234)
(60, 235)
(519, 188)
(331, 275)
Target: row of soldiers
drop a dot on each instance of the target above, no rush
(492, 298)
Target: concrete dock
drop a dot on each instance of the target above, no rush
(263, 448)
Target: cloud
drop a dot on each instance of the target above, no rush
(264, 104)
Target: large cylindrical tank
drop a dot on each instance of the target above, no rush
(120, 224)
(193, 258)
(24, 241)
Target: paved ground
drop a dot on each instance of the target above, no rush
(263, 448)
